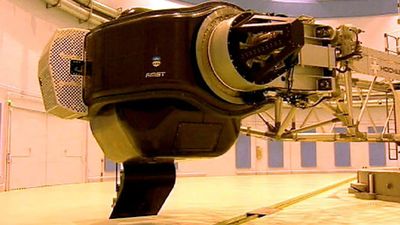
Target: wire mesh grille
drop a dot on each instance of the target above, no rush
(60, 88)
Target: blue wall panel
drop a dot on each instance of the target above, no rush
(342, 151)
(243, 152)
(377, 151)
(275, 154)
(308, 152)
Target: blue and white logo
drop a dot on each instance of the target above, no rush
(156, 61)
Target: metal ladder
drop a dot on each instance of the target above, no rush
(390, 38)
(393, 148)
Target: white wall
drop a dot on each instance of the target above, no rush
(25, 28)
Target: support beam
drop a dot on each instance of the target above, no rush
(270, 126)
(287, 121)
(365, 102)
(312, 126)
(269, 116)
(318, 120)
(307, 118)
(368, 113)
(278, 112)
(387, 119)
(349, 98)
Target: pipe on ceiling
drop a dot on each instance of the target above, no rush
(85, 10)
(100, 7)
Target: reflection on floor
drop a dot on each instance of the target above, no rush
(202, 200)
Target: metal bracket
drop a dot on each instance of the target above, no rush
(49, 6)
(90, 6)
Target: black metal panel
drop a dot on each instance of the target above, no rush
(151, 54)
(144, 187)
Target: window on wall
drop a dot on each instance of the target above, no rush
(243, 152)
(376, 151)
(342, 151)
(275, 154)
(308, 153)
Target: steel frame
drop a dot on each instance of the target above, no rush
(375, 89)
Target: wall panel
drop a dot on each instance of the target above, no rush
(243, 152)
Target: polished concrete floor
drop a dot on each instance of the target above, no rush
(202, 200)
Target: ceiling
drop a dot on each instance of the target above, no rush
(151, 4)
(318, 8)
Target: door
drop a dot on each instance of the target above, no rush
(65, 151)
(45, 150)
(27, 154)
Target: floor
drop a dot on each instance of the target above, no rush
(203, 200)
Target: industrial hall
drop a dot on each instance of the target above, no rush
(197, 112)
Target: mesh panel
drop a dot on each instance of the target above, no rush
(63, 92)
